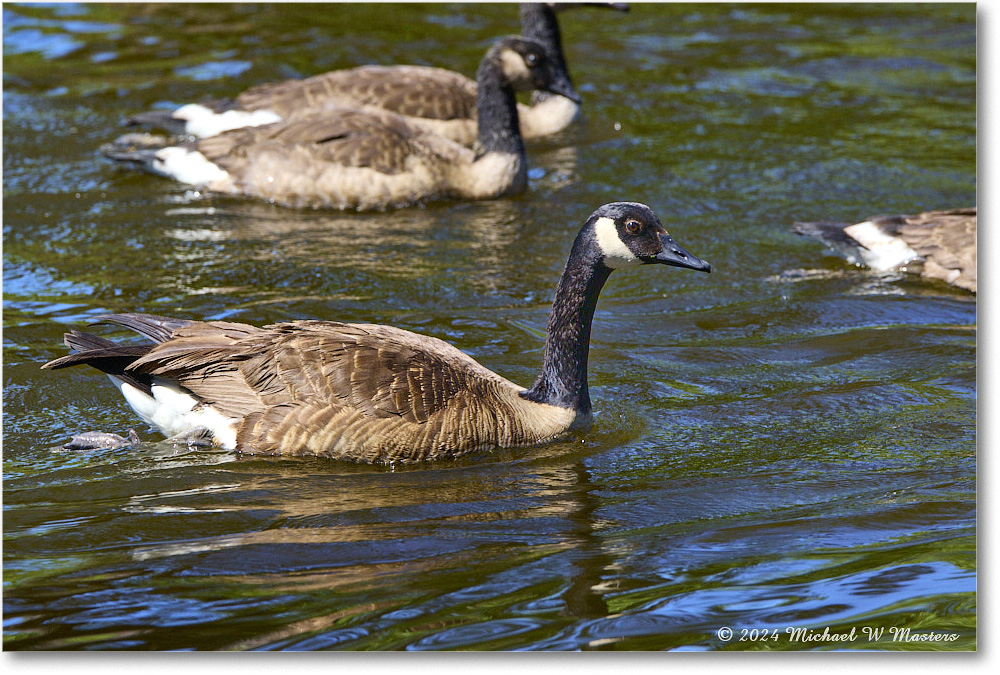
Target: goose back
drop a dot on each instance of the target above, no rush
(435, 99)
(946, 240)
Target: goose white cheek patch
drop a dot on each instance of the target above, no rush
(515, 68)
(616, 253)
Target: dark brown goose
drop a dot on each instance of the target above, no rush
(351, 158)
(373, 393)
(439, 100)
(935, 244)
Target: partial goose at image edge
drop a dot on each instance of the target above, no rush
(940, 245)
(372, 393)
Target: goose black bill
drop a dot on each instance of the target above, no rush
(675, 255)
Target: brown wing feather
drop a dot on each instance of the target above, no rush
(944, 234)
(947, 242)
(346, 137)
(205, 357)
(378, 371)
(430, 93)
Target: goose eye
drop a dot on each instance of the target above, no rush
(532, 59)
(633, 226)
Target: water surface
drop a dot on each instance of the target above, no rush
(788, 442)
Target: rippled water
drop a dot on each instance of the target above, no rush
(786, 443)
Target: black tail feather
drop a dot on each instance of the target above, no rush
(137, 148)
(114, 359)
(106, 356)
(156, 328)
(166, 120)
(142, 157)
(828, 231)
(158, 119)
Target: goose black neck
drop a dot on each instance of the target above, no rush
(538, 21)
(499, 130)
(563, 381)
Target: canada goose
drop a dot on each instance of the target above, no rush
(935, 244)
(439, 100)
(351, 158)
(372, 393)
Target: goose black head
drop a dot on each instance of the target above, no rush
(527, 65)
(629, 233)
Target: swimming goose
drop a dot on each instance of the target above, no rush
(549, 114)
(439, 100)
(373, 393)
(934, 244)
(368, 159)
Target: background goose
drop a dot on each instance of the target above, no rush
(935, 244)
(440, 100)
(365, 159)
(373, 393)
